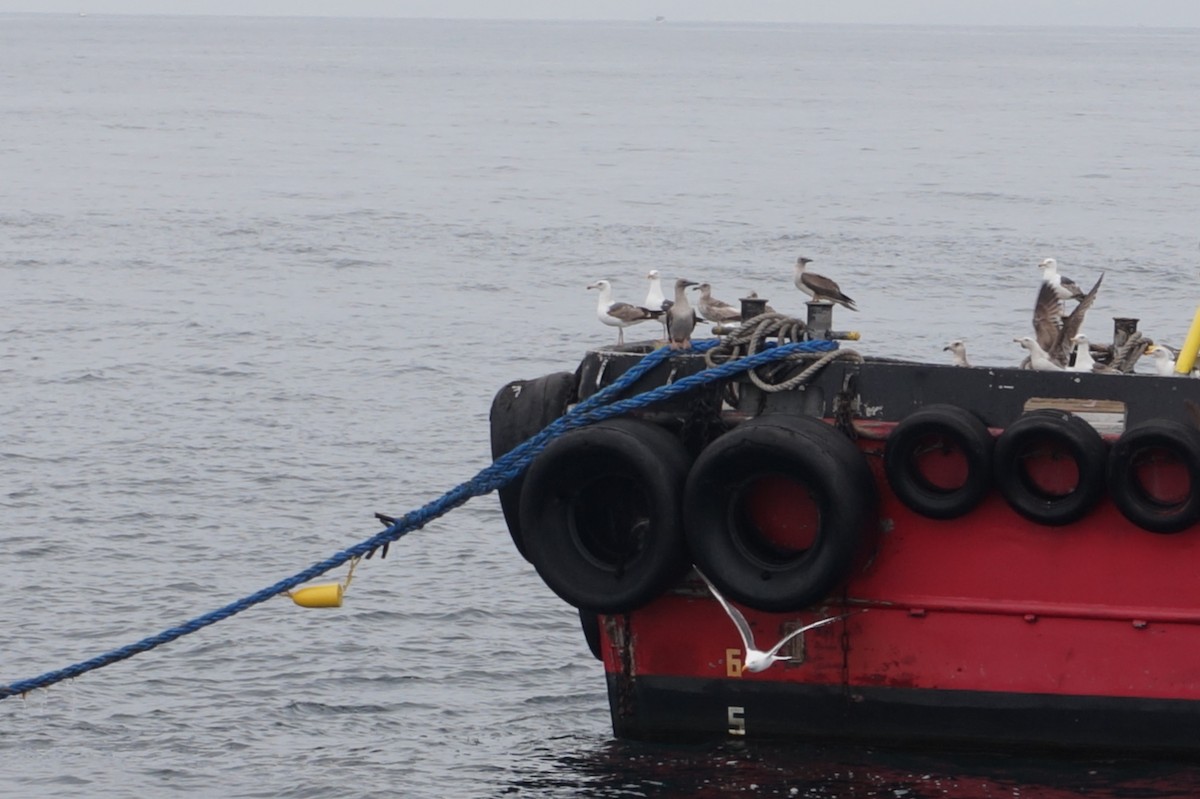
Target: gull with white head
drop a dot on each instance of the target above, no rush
(1038, 359)
(756, 659)
(1084, 362)
(619, 314)
(1064, 287)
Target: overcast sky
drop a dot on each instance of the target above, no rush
(1153, 13)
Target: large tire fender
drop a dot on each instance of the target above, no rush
(601, 518)
(946, 430)
(814, 464)
(1057, 433)
(1136, 446)
(519, 411)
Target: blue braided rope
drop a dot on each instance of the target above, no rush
(504, 469)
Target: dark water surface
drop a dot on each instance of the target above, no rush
(260, 278)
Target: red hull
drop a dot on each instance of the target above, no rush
(952, 611)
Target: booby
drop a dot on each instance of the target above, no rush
(1064, 287)
(1084, 361)
(1038, 359)
(618, 314)
(819, 287)
(958, 351)
(681, 318)
(756, 659)
(714, 310)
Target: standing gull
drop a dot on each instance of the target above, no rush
(714, 310)
(757, 659)
(681, 319)
(618, 314)
(1164, 360)
(1064, 287)
(958, 351)
(1084, 361)
(1038, 358)
(654, 297)
(819, 287)
(655, 301)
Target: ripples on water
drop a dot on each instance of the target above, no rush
(261, 278)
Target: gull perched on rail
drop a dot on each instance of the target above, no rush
(714, 310)
(757, 659)
(619, 314)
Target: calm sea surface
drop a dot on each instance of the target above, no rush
(260, 278)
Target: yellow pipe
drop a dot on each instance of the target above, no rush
(1191, 346)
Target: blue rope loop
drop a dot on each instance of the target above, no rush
(596, 408)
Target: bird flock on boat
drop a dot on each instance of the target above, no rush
(679, 316)
(1057, 345)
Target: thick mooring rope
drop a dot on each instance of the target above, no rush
(598, 407)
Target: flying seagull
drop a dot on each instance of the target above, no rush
(756, 659)
(618, 314)
(1054, 332)
(819, 287)
(1064, 287)
(958, 351)
(681, 318)
(714, 310)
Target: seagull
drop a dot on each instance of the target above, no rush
(756, 659)
(958, 351)
(681, 319)
(1064, 287)
(654, 297)
(819, 287)
(714, 310)
(618, 314)
(1052, 331)
(1038, 359)
(1084, 361)
(754, 296)
(1164, 360)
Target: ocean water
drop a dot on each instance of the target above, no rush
(260, 278)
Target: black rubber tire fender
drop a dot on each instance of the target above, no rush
(520, 410)
(730, 549)
(945, 426)
(1065, 432)
(601, 514)
(1125, 488)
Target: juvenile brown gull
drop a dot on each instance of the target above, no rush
(958, 351)
(714, 310)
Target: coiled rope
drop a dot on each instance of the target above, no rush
(752, 337)
(602, 405)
